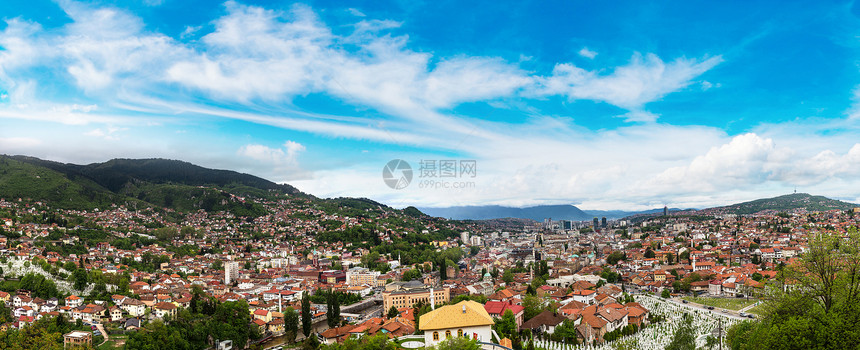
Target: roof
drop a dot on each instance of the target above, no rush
(499, 307)
(547, 318)
(466, 313)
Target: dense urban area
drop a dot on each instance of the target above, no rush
(280, 269)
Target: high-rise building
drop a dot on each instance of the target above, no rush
(464, 237)
(596, 222)
(231, 272)
(666, 211)
(603, 222)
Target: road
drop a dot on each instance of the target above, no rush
(101, 328)
(700, 307)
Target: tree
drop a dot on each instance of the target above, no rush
(332, 315)
(81, 279)
(458, 343)
(506, 326)
(533, 306)
(443, 270)
(616, 256)
(670, 258)
(306, 314)
(684, 337)
(684, 256)
(291, 324)
(392, 312)
(665, 294)
(412, 274)
(565, 332)
(508, 276)
(649, 254)
(815, 302)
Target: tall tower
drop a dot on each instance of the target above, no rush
(665, 210)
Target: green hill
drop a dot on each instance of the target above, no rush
(786, 203)
(165, 183)
(24, 180)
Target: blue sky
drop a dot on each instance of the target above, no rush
(623, 105)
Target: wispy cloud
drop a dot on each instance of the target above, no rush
(645, 79)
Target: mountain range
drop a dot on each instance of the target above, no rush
(184, 186)
(538, 213)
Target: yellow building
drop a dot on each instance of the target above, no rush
(464, 319)
(410, 297)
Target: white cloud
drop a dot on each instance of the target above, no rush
(281, 163)
(108, 133)
(585, 52)
(356, 12)
(275, 156)
(747, 160)
(644, 79)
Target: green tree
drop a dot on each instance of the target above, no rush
(684, 337)
(291, 324)
(392, 312)
(533, 306)
(306, 314)
(814, 302)
(616, 256)
(412, 274)
(649, 254)
(684, 256)
(506, 326)
(508, 276)
(665, 294)
(458, 343)
(81, 279)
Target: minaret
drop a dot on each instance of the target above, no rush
(432, 299)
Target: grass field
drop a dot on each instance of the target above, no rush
(758, 309)
(723, 303)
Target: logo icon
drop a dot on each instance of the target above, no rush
(397, 174)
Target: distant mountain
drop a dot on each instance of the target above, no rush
(537, 213)
(783, 203)
(134, 182)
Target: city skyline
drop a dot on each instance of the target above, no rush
(602, 106)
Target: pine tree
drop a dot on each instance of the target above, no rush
(306, 314)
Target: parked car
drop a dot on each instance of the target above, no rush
(684, 301)
(710, 307)
(743, 314)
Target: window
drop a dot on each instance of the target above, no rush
(448, 333)
(435, 336)
(459, 332)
